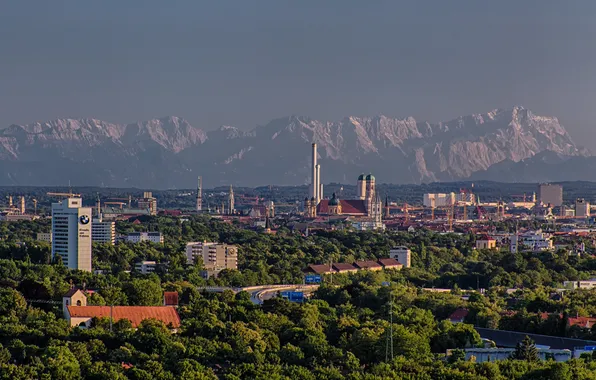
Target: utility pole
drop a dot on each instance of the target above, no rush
(111, 317)
(389, 340)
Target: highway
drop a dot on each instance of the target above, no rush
(260, 293)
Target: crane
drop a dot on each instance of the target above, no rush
(67, 195)
(115, 203)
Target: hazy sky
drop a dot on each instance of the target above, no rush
(243, 63)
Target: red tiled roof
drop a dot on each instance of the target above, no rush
(367, 264)
(389, 263)
(170, 298)
(348, 207)
(459, 314)
(318, 268)
(344, 267)
(135, 314)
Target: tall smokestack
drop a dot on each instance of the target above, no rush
(200, 194)
(314, 184)
(319, 193)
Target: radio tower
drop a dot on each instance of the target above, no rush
(200, 195)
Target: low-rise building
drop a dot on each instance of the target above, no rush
(390, 264)
(401, 254)
(319, 269)
(137, 237)
(495, 354)
(486, 242)
(531, 240)
(145, 267)
(44, 236)
(368, 264)
(344, 268)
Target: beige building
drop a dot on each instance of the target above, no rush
(215, 256)
(582, 208)
(148, 202)
(44, 236)
(486, 243)
(71, 233)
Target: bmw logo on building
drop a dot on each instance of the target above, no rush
(84, 219)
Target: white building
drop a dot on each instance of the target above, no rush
(401, 254)
(71, 233)
(145, 267)
(494, 354)
(582, 284)
(215, 256)
(532, 241)
(137, 237)
(103, 231)
(44, 236)
(582, 208)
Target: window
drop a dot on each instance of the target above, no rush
(79, 303)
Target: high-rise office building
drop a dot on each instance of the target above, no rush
(148, 202)
(103, 231)
(71, 233)
(550, 194)
(582, 208)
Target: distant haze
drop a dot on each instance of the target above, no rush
(241, 63)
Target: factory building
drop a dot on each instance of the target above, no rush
(550, 194)
(71, 233)
(582, 208)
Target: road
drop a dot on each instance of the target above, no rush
(258, 294)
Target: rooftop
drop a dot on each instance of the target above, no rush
(135, 314)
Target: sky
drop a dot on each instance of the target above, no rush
(243, 63)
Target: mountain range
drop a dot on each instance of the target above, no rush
(503, 144)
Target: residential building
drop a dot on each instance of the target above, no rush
(71, 233)
(344, 268)
(368, 264)
(401, 254)
(550, 194)
(137, 237)
(582, 284)
(148, 202)
(319, 269)
(44, 236)
(582, 208)
(103, 231)
(145, 267)
(388, 264)
(214, 255)
(532, 241)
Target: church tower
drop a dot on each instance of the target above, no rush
(231, 208)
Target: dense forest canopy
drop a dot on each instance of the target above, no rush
(342, 332)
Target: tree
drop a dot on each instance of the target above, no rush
(143, 292)
(526, 350)
(61, 363)
(12, 302)
(457, 355)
